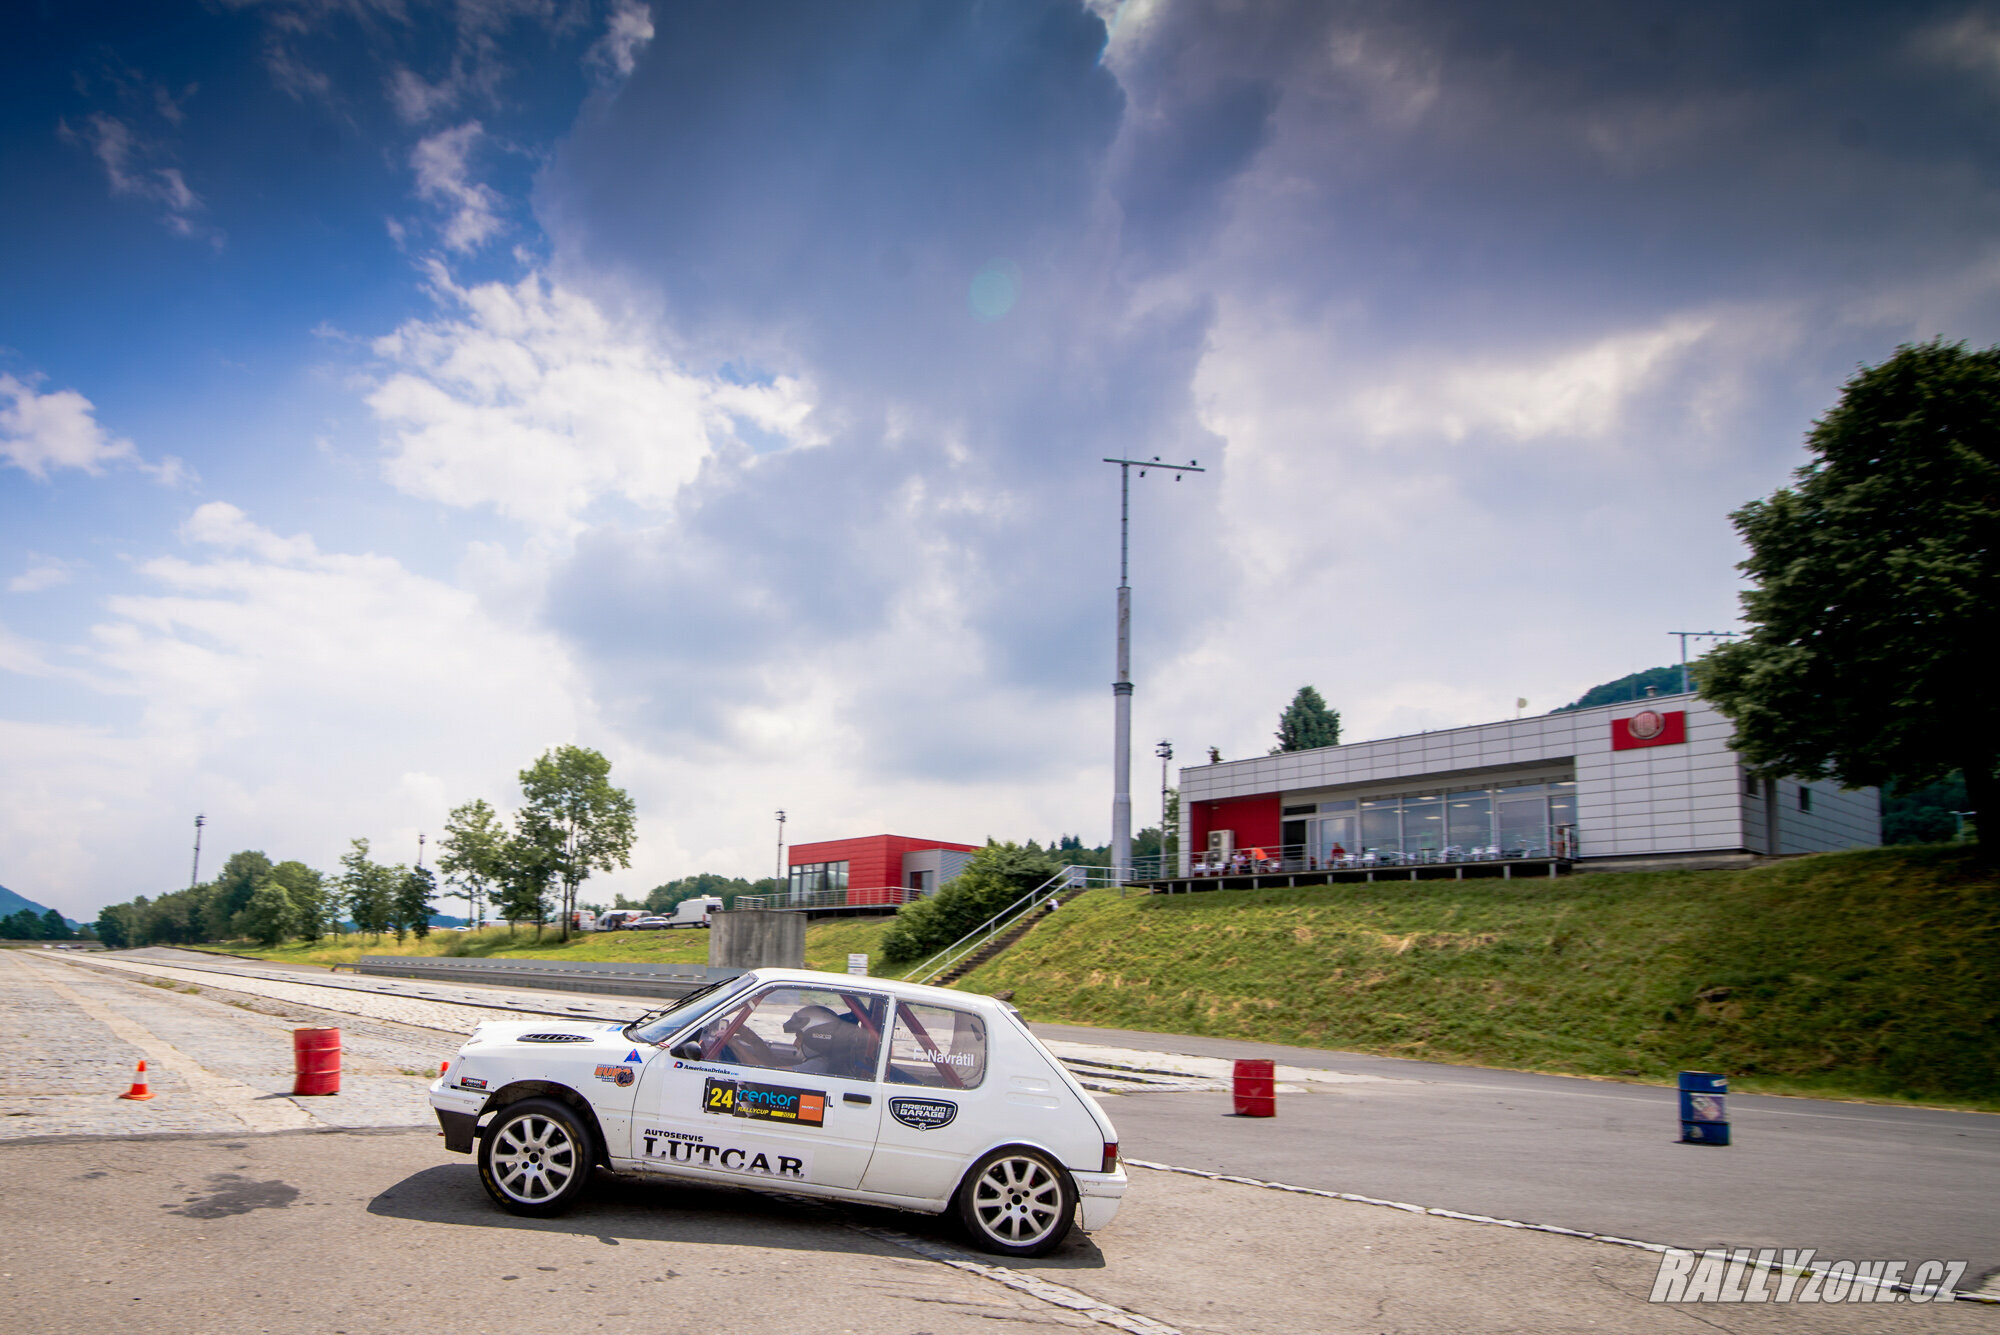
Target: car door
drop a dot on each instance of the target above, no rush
(939, 1109)
(777, 1088)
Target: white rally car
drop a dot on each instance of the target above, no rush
(858, 1089)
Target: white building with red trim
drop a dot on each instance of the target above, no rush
(1648, 782)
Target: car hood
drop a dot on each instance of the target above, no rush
(550, 1036)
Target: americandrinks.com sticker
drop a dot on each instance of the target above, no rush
(769, 1103)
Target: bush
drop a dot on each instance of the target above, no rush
(998, 875)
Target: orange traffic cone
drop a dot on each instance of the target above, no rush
(140, 1089)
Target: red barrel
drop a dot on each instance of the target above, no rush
(1256, 1088)
(316, 1057)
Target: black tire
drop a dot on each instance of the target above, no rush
(1017, 1202)
(535, 1157)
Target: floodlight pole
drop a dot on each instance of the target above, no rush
(194, 876)
(1686, 635)
(1121, 689)
(781, 846)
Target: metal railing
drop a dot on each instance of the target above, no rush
(1301, 857)
(854, 896)
(1069, 878)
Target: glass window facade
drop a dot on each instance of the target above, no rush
(1510, 820)
(814, 877)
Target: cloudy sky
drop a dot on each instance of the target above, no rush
(390, 391)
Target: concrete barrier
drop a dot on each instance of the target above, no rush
(616, 978)
(757, 939)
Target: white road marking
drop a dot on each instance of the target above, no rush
(1608, 1238)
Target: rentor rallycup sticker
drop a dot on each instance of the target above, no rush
(923, 1114)
(696, 1152)
(769, 1103)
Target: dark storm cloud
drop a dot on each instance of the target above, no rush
(817, 186)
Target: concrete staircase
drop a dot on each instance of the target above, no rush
(987, 951)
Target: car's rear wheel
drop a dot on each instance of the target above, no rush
(1017, 1202)
(535, 1157)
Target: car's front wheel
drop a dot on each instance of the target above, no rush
(535, 1157)
(1017, 1202)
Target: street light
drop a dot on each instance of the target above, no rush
(194, 876)
(781, 846)
(1687, 635)
(1121, 689)
(1165, 751)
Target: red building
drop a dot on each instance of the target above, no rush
(876, 869)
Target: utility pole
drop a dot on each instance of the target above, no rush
(1121, 689)
(194, 876)
(420, 850)
(1165, 751)
(1687, 635)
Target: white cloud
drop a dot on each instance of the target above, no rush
(629, 28)
(40, 432)
(131, 165)
(45, 572)
(443, 179)
(531, 399)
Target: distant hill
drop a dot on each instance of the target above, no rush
(11, 903)
(1663, 680)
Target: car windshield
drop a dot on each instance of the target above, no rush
(656, 1026)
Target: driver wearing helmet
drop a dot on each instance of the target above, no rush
(830, 1044)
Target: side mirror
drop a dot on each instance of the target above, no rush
(689, 1051)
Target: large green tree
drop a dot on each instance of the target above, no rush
(473, 857)
(236, 882)
(580, 821)
(522, 891)
(995, 877)
(312, 906)
(413, 902)
(270, 916)
(1307, 723)
(1875, 581)
(368, 888)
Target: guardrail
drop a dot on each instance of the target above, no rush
(854, 897)
(669, 981)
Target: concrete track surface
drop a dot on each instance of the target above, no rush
(227, 1206)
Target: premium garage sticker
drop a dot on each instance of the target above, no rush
(768, 1103)
(923, 1114)
(679, 1147)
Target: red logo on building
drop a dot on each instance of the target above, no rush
(1649, 727)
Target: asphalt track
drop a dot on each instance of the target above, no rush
(1850, 1179)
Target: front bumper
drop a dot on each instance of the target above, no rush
(1100, 1195)
(458, 1113)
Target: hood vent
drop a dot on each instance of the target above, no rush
(553, 1038)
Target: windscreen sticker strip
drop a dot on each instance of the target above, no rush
(766, 1103)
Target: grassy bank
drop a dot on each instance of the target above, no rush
(1870, 974)
(828, 943)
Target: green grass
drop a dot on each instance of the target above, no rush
(1872, 974)
(828, 942)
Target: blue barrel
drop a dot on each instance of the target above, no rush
(1704, 1108)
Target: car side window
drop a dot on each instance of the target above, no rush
(937, 1046)
(804, 1030)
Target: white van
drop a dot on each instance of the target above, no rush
(694, 912)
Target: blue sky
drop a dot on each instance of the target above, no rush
(389, 391)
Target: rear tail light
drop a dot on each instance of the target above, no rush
(442, 1068)
(1110, 1156)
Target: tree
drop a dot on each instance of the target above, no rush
(54, 928)
(414, 901)
(368, 888)
(523, 889)
(1664, 680)
(270, 916)
(473, 844)
(235, 883)
(114, 926)
(996, 876)
(574, 814)
(312, 906)
(1874, 583)
(21, 925)
(1307, 723)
